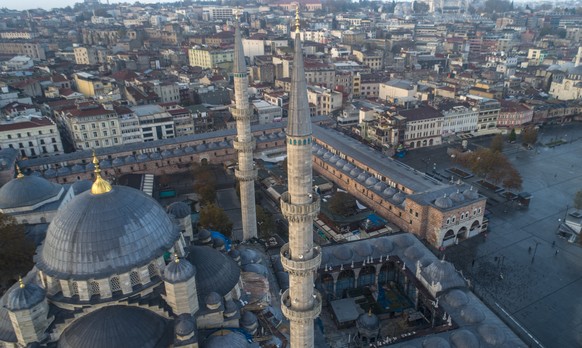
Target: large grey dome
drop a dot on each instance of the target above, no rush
(24, 297)
(215, 272)
(27, 191)
(179, 271)
(118, 326)
(97, 235)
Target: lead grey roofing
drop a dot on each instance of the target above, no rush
(179, 209)
(80, 155)
(394, 170)
(180, 271)
(118, 326)
(27, 191)
(232, 339)
(299, 114)
(95, 236)
(7, 333)
(240, 65)
(215, 272)
(25, 297)
(469, 194)
(474, 319)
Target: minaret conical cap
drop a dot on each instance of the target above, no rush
(299, 122)
(240, 65)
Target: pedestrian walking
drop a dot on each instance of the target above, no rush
(553, 244)
(557, 251)
(473, 263)
(529, 250)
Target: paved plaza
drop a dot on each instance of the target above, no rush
(531, 283)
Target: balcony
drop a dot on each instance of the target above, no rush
(300, 267)
(299, 212)
(300, 315)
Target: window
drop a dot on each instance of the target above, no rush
(9, 136)
(18, 135)
(53, 140)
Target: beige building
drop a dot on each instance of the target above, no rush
(371, 59)
(326, 101)
(26, 48)
(400, 92)
(92, 86)
(423, 127)
(167, 91)
(90, 55)
(91, 126)
(210, 58)
(31, 135)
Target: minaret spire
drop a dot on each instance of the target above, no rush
(244, 142)
(301, 303)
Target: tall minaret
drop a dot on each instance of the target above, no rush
(301, 303)
(244, 142)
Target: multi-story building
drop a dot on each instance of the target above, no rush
(488, 112)
(400, 92)
(458, 118)
(92, 86)
(91, 126)
(167, 91)
(210, 58)
(183, 121)
(514, 115)
(372, 59)
(26, 48)
(155, 122)
(203, 120)
(325, 100)
(129, 124)
(369, 85)
(320, 74)
(267, 112)
(17, 35)
(423, 126)
(31, 135)
(90, 55)
(217, 13)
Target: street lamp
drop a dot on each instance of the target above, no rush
(534, 253)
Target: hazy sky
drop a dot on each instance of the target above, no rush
(48, 4)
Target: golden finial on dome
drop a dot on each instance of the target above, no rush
(20, 282)
(176, 258)
(297, 19)
(100, 185)
(237, 12)
(20, 175)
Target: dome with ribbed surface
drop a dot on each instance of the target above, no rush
(464, 339)
(471, 194)
(27, 191)
(443, 202)
(179, 210)
(118, 326)
(98, 235)
(368, 321)
(185, 325)
(456, 298)
(215, 271)
(457, 197)
(25, 296)
(178, 271)
(435, 342)
(228, 339)
(399, 197)
(492, 334)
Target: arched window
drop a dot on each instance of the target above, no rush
(94, 288)
(74, 289)
(114, 284)
(152, 270)
(134, 278)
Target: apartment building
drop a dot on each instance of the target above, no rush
(423, 126)
(400, 92)
(266, 112)
(129, 124)
(25, 48)
(31, 135)
(155, 122)
(325, 100)
(92, 86)
(91, 126)
(371, 59)
(210, 58)
(458, 118)
(90, 55)
(514, 114)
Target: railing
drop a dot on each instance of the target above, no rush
(300, 266)
(300, 315)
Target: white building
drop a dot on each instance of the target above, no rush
(253, 47)
(155, 122)
(31, 135)
(325, 100)
(168, 92)
(399, 92)
(459, 119)
(18, 63)
(213, 13)
(129, 124)
(267, 112)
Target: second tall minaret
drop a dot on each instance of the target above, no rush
(301, 303)
(244, 142)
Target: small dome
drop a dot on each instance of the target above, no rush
(334, 159)
(213, 299)
(368, 321)
(390, 191)
(472, 315)
(212, 145)
(371, 181)
(457, 197)
(363, 248)
(256, 268)
(179, 209)
(185, 325)
(263, 138)
(435, 342)
(178, 151)
(24, 296)
(97, 235)
(273, 135)
(341, 163)
(77, 168)
(117, 162)
(117, 326)
(348, 167)
(327, 155)
(204, 235)
(492, 334)
(63, 171)
(234, 254)
(413, 253)
(248, 256)
(230, 308)
(49, 173)
(380, 186)
(189, 149)
(167, 153)
(399, 197)
(343, 252)
(355, 172)
(129, 159)
(27, 191)
(443, 202)
(178, 271)
(383, 245)
(443, 272)
(471, 194)
(363, 177)
(456, 298)
(320, 152)
(464, 339)
(228, 339)
(223, 144)
(142, 157)
(403, 240)
(248, 319)
(104, 164)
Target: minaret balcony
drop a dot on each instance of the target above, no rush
(297, 315)
(299, 212)
(244, 146)
(245, 175)
(241, 114)
(299, 266)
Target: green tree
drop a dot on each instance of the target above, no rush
(529, 135)
(204, 184)
(497, 143)
(512, 135)
(16, 251)
(214, 218)
(265, 222)
(578, 200)
(342, 203)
